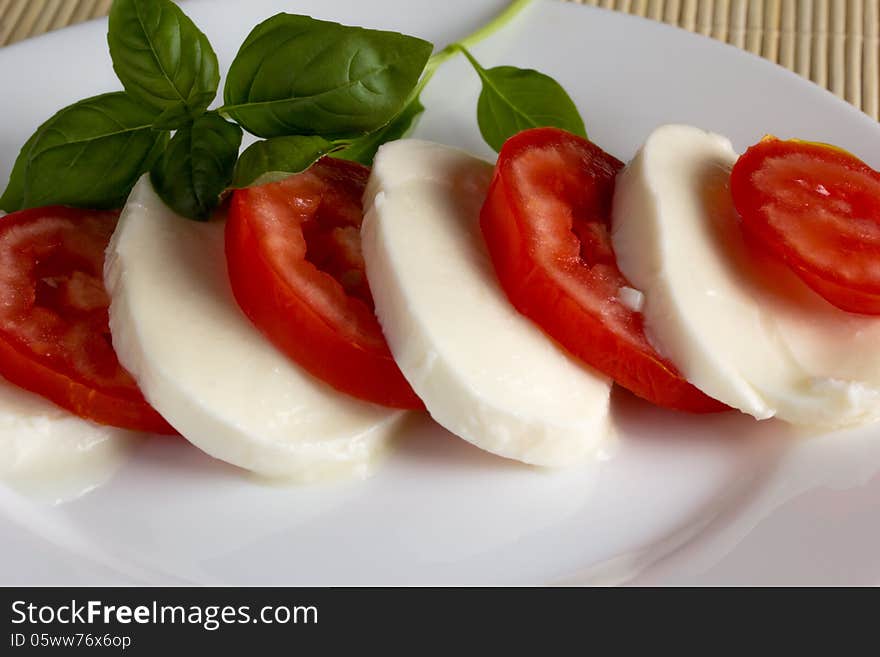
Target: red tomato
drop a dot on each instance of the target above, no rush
(546, 224)
(294, 253)
(54, 333)
(817, 209)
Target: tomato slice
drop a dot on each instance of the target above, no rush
(546, 224)
(294, 255)
(54, 333)
(817, 209)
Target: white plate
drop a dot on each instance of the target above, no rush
(681, 499)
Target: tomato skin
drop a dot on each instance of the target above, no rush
(300, 307)
(815, 208)
(546, 224)
(118, 410)
(109, 395)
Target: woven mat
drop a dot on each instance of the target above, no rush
(833, 42)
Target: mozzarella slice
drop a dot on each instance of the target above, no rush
(740, 327)
(199, 361)
(45, 448)
(485, 372)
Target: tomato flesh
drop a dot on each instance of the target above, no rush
(815, 208)
(54, 332)
(296, 269)
(546, 223)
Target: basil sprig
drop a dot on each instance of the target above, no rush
(162, 59)
(295, 75)
(197, 165)
(272, 159)
(88, 154)
(516, 99)
(311, 88)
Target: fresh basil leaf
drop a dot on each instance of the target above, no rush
(277, 158)
(364, 148)
(515, 99)
(13, 197)
(89, 154)
(162, 59)
(297, 75)
(197, 166)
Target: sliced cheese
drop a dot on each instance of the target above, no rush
(199, 361)
(741, 328)
(485, 372)
(46, 449)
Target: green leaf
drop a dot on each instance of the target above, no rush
(197, 166)
(515, 99)
(89, 154)
(162, 59)
(364, 149)
(13, 197)
(297, 75)
(277, 158)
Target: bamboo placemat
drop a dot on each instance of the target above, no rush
(835, 43)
